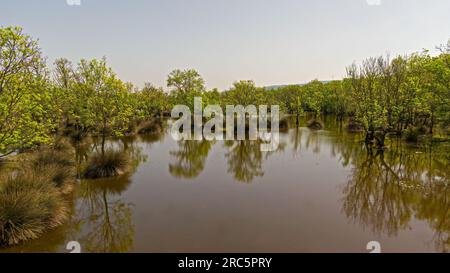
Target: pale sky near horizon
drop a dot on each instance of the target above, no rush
(269, 41)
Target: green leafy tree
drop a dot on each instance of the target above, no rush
(313, 96)
(245, 93)
(153, 101)
(24, 97)
(63, 95)
(185, 85)
(212, 97)
(109, 107)
(290, 99)
(369, 98)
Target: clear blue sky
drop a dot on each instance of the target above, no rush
(269, 41)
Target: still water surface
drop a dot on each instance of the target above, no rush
(320, 192)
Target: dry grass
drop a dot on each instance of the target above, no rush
(32, 194)
(108, 164)
(30, 205)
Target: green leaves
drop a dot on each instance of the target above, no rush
(152, 101)
(23, 92)
(185, 85)
(382, 94)
(405, 92)
(245, 93)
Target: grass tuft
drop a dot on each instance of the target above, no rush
(29, 206)
(150, 127)
(33, 194)
(412, 135)
(108, 164)
(315, 125)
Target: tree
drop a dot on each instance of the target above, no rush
(153, 101)
(336, 99)
(212, 97)
(290, 99)
(185, 85)
(370, 98)
(435, 82)
(313, 97)
(108, 107)
(245, 93)
(24, 121)
(63, 96)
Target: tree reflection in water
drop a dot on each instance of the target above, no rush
(245, 159)
(190, 158)
(388, 189)
(105, 215)
(385, 192)
(101, 209)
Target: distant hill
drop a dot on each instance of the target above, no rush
(275, 87)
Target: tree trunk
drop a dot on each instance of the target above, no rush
(432, 123)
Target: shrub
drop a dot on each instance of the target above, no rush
(315, 125)
(412, 134)
(29, 206)
(57, 165)
(284, 125)
(108, 164)
(354, 126)
(151, 127)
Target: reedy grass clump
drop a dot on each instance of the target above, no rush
(150, 127)
(57, 163)
(412, 135)
(106, 164)
(32, 194)
(315, 124)
(30, 205)
(354, 126)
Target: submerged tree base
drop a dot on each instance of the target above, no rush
(151, 127)
(354, 127)
(315, 125)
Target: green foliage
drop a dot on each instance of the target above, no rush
(185, 85)
(109, 105)
(313, 95)
(92, 99)
(245, 93)
(152, 101)
(370, 97)
(382, 95)
(289, 98)
(399, 94)
(212, 97)
(24, 100)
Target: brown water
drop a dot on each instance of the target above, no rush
(320, 192)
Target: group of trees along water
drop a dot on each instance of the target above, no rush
(43, 105)
(405, 95)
